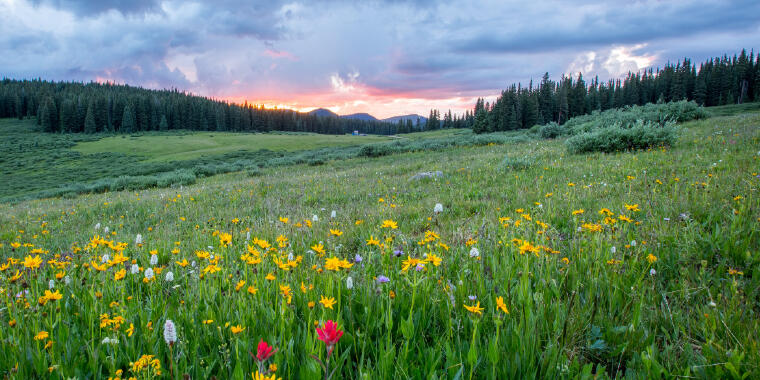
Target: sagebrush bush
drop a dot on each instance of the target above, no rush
(616, 138)
(551, 130)
(516, 163)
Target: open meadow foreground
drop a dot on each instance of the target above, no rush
(640, 265)
(385, 189)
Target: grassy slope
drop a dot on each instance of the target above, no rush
(32, 161)
(173, 147)
(615, 316)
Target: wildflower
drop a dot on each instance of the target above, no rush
(149, 274)
(652, 272)
(314, 218)
(225, 239)
(336, 232)
(42, 335)
(170, 332)
(349, 283)
(474, 252)
(389, 224)
(651, 258)
(500, 305)
(382, 279)
(358, 259)
(131, 330)
(634, 207)
(237, 329)
(258, 376)
(411, 262)
(284, 220)
(327, 302)
(438, 208)
(134, 269)
(32, 262)
(318, 248)
(433, 259)
(566, 260)
(169, 276)
(373, 241)
(270, 276)
(333, 214)
(330, 334)
(578, 212)
(108, 340)
(153, 260)
(138, 239)
(475, 309)
(264, 351)
(239, 285)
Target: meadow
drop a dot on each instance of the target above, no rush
(640, 264)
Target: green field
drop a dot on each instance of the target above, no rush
(177, 147)
(632, 265)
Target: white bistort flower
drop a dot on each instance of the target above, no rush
(153, 260)
(333, 214)
(149, 274)
(51, 284)
(170, 332)
(138, 239)
(314, 218)
(134, 269)
(169, 276)
(438, 208)
(350, 283)
(474, 252)
(97, 226)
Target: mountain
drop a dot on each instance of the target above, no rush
(323, 112)
(412, 117)
(363, 116)
(359, 116)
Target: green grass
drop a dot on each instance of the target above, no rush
(734, 109)
(173, 147)
(682, 302)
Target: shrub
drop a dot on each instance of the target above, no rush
(617, 138)
(516, 163)
(550, 131)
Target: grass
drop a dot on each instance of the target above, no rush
(178, 147)
(657, 277)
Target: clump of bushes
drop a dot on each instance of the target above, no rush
(516, 163)
(550, 131)
(642, 135)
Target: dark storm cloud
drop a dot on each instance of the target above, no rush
(94, 7)
(625, 23)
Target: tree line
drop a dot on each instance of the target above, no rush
(75, 107)
(717, 81)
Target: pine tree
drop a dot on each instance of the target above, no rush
(163, 125)
(128, 123)
(89, 119)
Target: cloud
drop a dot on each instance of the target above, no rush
(378, 56)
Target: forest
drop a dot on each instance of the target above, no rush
(74, 107)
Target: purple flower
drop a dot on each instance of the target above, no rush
(358, 258)
(382, 279)
(419, 267)
(398, 252)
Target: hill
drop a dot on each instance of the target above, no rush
(412, 117)
(360, 116)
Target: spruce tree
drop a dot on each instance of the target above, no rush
(89, 119)
(163, 125)
(128, 123)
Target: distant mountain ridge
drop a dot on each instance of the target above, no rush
(324, 112)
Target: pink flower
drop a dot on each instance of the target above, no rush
(264, 351)
(330, 334)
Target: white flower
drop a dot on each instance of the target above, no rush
(333, 214)
(138, 239)
(193, 264)
(134, 269)
(67, 280)
(438, 208)
(149, 273)
(633, 243)
(105, 230)
(108, 340)
(153, 260)
(169, 276)
(474, 252)
(712, 304)
(350, 283)
(314, 218)
(97, 226)
(290, 256)
(613, 249)
(170, 333)
(105, 258)
(248, 236)
(652, 272)
(51, 284)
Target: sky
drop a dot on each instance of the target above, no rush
(386, 58)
